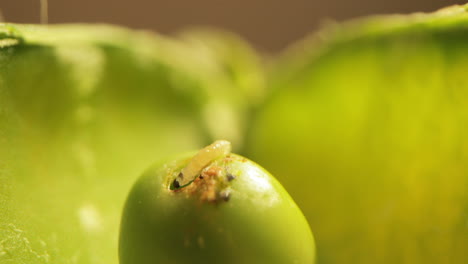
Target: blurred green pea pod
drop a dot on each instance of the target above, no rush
(367, 129)
(84, 109)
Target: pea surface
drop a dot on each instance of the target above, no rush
(233, 212)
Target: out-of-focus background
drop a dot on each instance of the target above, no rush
(269, 25)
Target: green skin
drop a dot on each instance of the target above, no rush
(260, 223)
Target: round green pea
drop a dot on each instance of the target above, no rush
(234, 211)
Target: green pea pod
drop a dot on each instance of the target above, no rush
(83, 110)
(367, 129)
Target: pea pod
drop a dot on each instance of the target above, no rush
(367, 130)
(83, 110)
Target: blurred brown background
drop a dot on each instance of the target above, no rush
(268, 24)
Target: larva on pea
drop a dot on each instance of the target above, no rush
(202, 159)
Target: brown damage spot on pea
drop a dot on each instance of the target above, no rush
(213, 171)
(211, 186)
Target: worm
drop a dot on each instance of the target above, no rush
(202, 159)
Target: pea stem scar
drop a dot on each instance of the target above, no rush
(202, 159)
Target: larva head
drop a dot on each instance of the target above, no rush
(232, 212)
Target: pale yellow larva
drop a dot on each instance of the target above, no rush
(202, 159)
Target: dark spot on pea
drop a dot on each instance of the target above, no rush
(180, 176)
(176, 184)
(225, 196)
(230, 177)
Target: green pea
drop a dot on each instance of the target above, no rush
(233, 211)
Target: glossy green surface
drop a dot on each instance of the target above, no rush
(367, 130)
(260, 223)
